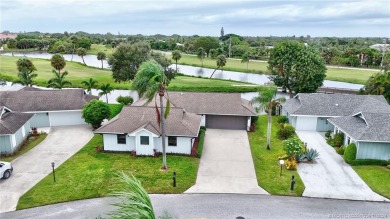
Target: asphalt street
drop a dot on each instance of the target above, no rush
(217, 206)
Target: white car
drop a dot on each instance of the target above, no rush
(5, 169)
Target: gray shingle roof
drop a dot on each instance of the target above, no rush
(208, 103)
(335, 104)
(10, 122)
(365, 126)
(133, 118)
(33, 99)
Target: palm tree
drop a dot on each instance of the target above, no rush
(105, 90)
(149, 80)
(57, 62)
(73, 39)
(134, 200)
(89, 85)
(58, 81)
(101, 56)
(221, 61)
(176, 56)
(245, 58)
(82, 52)
(26, 77)
(266, 100)
(378, 84)
(200, 54)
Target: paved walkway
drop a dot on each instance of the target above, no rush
(30, 168)
(330, 176)
(226, 165)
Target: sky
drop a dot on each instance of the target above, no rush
(340, 18)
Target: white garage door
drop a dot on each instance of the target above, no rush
(66, 118)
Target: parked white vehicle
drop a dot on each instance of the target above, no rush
(5, 169)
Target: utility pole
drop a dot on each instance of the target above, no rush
(230, 46)
(383, 52)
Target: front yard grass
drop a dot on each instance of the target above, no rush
(376, 177)
(91, 174)
(31, 143)
(266, 161)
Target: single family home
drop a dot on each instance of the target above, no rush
(364, 119)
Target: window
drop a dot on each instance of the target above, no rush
(172, 141)
(145, 140)
(121, 139)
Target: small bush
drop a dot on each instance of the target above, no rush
(341, 150)
(350, 153)
(361, 162)
(328, 134)
(388, 166)
(338, 139)
(286, 131)
(330, 142)
(292, 147)
(291, 164)
(254, 119)
(125, 100)
(282, 119)
(200, 143)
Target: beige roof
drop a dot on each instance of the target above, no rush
(34, 99)
(134, 118)
(11, 122)
(208, 103)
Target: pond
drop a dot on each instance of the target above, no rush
(91, 60)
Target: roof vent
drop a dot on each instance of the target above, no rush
(181, 93)
(184, 110)
(337, 104)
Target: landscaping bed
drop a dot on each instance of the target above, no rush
(266, 161)
(29, 144)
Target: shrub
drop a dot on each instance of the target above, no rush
(292, 147)
(125, 100)
(286, 131)
(328, 134)
(338, 139)
(254, 119)
(311, 154)
(200, 143)
(95, 112)
(282, 119)
(360, 162)
(350, 153)
(341, 150)
(388, 166)
(291, 164)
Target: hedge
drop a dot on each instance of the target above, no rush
(201, 141)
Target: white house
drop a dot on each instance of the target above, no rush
(135, 128)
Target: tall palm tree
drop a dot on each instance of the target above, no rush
(105, 90)
(149, 80)
(245, 58)
(266, 99)
(58, 81)
(134, 200)
(101, 56)
(221, 61)
(89, 85)
(26, 77)
(82, 52)
(176, 56)
(378, 84)
(73, 39)
(201, 54)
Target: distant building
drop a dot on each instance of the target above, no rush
(381, 47)
(7, 36)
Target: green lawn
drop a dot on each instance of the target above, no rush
(376, 177)
(89, 174)
(266, 161)
(32, 142)
(95, 48)
(79, 73)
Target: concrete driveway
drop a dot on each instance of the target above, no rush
(226, 165)
(30, 168)
(330, 176)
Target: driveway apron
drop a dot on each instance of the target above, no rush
(31, 167)
(226, 165)
(329, 176)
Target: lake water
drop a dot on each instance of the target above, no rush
(91, 60)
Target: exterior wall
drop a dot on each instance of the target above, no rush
(111, 144)
(324, 125)
(373, 150)
(144, 149)
(66, 118)
(203, 121)
(306, 123)
(40, 120)
(184, 145)
(5, 144)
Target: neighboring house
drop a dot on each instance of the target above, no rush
(364, 119)
(218, 110)
(14, 128)
(135, 128)
(51, 107)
